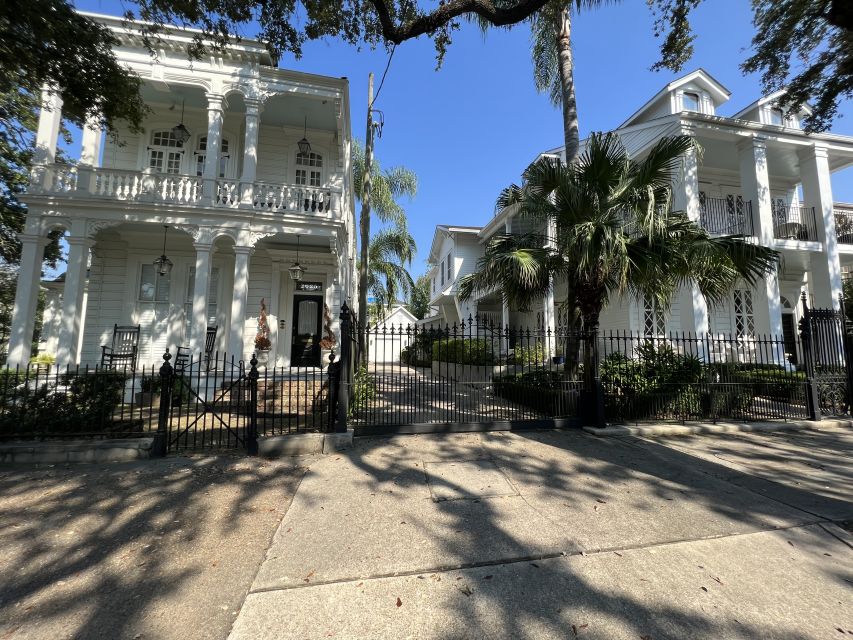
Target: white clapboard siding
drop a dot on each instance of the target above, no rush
(106, 293)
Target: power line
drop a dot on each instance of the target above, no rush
(385, 73)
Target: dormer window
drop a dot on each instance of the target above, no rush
(690, 101)
(777, 117)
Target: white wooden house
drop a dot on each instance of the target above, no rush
(242, 169)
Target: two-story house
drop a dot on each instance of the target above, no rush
(759, 174)
(238, 190)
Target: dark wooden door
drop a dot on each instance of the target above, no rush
(307, 319)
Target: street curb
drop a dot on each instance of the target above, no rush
(303, 444)
(92, 451)
(709, 427)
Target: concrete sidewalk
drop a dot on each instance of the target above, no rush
(555, 535)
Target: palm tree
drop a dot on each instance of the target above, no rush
(388, 280)
(385, 188)
(616, 233)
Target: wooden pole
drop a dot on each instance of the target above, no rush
(364, 224)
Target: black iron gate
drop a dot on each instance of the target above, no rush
(827, 341)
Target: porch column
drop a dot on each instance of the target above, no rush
(686, 198)
(825, 272)
(211, 150)
(275, 303)
(250, 154)
(90, 155)
(755, 182)
(201, 284)
(238, 302)
(26, 298)
(47, 135)
(71, 320)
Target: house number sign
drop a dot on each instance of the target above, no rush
(309, 286)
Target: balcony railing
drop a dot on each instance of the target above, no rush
(844, 226)
(144, 186)
(726, 216)
(794, 223)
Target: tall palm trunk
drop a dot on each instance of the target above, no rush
(565, 60)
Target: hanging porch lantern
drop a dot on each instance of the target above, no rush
(304, 145)
(163, 264)
(297, 270)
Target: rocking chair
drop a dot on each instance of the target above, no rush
(123, 349)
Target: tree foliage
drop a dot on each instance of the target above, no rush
(419, 297)
(388, 280)
(802, 46)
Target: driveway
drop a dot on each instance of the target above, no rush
(564, 535)
(162, 549)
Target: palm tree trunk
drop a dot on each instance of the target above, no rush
(364, 227)
(565, 59)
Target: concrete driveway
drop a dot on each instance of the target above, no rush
(564, 535)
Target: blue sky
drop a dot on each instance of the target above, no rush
(470, 128)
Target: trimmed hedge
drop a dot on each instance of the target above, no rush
(542, 390)
(473, 351)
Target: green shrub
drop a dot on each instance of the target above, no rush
(542, 390)
(43, 358)
(473, 351)
(150, 384)
(363, 390)
(530, 354)
(78, 403)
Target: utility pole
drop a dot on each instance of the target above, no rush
(364, 225)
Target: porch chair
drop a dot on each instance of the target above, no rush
(182, 355)
(124, 347)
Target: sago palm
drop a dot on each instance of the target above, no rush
(615, 233)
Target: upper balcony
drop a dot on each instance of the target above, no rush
(731, 216)
(794, 223)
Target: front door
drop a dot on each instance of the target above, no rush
(307, 318)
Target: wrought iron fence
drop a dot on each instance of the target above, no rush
(683, 377)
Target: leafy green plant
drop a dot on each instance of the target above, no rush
(542, 390)
(529, 354)
(472, 351)
(43, 358)
(363, 390)
(150, 384)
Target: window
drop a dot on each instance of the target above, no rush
(308, 169)
(164, 154)
(777, 117)
(779, 210)
(200, 155)
(654, 320)
(441, 270)
(690, 101)
(450, 266)
(744, 316)
(433, 284)
(212, 299)
(152, 286)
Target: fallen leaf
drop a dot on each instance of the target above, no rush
(399, 602)
(618, 554)
(600, 501)
(309, 576)
(535, 565)
(717, 579)
(645, 638)
(359, 584)
(466, 590)
(704, 589)
(790, 543)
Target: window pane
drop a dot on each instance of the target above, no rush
(147, 284)
(690, 102)
(777, 117)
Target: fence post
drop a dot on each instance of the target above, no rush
(812, 395)
(334, 395)
(167, 379)
(345, 369)
(597, 408)
(252, 429)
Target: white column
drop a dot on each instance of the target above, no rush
(250, 153)
(238, 302)
(755, 182)
(686, 198)
(275, 303)
(211, 151)
(47, 135)
(71, 320)
(26, 298)
(825, 273)
(201, 284)
(90, 154)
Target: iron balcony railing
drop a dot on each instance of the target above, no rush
(844, 226)
(794, 223)
(726, 216)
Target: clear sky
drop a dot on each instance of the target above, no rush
(471, 127)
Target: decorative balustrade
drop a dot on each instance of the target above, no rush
(794, 223)
(730, 216)
(146, 186)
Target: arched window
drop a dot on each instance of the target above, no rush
(165, 152)
(309, 167)
(201, 153)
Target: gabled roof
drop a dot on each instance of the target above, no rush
(442, 230)
(772, 98)
(717, 91)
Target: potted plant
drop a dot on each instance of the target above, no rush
(149, 392)
(328, 342)
(263, 344)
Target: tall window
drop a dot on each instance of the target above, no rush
(450, 266)
(152, 286)
(654, 319)
(690, 101)
(201, 153)
(164, 154)
(212, 298)
(777, 117)
(744, 315)
(308, 169)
